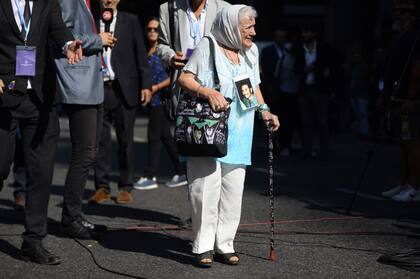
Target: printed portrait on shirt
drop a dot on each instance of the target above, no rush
(245, 92)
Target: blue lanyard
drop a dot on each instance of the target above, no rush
(22, 20)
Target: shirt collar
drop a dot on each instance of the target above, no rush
(189, 10)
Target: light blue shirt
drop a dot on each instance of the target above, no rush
(195, 26)
(241, 123)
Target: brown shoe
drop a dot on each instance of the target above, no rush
(101, 195)
(124, 197)
(20, 201)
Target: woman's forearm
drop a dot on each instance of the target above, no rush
(161, 85)
(189, 83)
(259, 96)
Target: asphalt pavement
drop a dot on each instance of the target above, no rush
(315, 236)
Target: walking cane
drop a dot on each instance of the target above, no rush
(272, 255)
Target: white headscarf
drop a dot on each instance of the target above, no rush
(226, 25)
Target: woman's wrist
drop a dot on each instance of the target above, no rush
(263, 108)
(197, 91)
(203, 92)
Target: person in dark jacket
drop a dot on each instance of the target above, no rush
(314, 67)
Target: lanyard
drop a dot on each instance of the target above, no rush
(22, 20)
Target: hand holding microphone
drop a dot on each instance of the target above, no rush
(107, 16)
(108, 39)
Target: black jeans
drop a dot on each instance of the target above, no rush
(118, 114)
(84, 127)
(314, 106)
(40, 129)
(159, 130)
(19, 167)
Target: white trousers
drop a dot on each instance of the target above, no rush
(215, 191)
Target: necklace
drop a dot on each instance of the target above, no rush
(232, 60)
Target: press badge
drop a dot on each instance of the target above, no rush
(189, 53)
(25, 61)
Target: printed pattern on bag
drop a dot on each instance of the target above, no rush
(198, 124)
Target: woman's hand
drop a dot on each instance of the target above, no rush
(271, 120)
(217, 101)
(2, 88)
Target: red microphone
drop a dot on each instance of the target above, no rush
(107, 17)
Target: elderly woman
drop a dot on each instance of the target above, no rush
(216, 184)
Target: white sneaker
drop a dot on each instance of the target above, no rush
(177, 181)
(416, 197)
(145, 183)
(392, 192)
(405, 195)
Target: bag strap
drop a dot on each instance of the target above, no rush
(171, 12)
(212, 55)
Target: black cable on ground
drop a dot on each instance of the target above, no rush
(92, 255)
(362, 176)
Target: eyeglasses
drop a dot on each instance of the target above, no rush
(150, 29)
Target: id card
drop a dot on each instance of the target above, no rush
(189, 53)
(25, 61)
(245, 92)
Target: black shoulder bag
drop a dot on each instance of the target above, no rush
(199, 131)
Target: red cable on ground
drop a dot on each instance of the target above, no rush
(296, 221)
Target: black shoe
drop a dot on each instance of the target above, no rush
(75, 229)
(92, 227)
(38, 254)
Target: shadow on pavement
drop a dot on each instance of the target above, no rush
(9, 249)
(10, 216)
(150, 243)
(118, 211)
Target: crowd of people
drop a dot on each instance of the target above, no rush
(105, 70)
(359, 89)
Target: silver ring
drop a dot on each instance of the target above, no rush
(217, 106)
